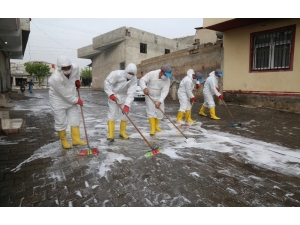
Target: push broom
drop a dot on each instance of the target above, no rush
(234, 124)
(153, 151)
(88, 151)
(187, 139)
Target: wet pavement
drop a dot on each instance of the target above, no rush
(256, 164)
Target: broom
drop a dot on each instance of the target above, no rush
(153, 151)
(234, 124)
(88, 151)
(187, 140)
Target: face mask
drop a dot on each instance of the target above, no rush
(67, 72)
(163, 77)
(128, 76)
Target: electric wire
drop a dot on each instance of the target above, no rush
(51, 38)
(59, 25)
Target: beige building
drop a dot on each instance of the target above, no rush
(116, 49)
(260, 61)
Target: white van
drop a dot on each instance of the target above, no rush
(139, 94)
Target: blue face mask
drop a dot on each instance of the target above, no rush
(200, 80)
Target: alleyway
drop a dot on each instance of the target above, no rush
(253, 165)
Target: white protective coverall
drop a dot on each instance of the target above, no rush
(185, 91)
(209, 90)
(117, 83)
(63, 96)
(158, 91)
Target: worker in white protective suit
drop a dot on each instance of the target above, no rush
(120, 86)
(156, 84)
(186, 96)
(64, 100)
(210, 89)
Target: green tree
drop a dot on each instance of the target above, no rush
(37, 69)
(86, 73)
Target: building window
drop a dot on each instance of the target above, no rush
(143, 48)
(122, 66)
(167, 51)
(273, 50)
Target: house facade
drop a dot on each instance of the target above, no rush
(14, 34)
(260, 61)
(116, 49)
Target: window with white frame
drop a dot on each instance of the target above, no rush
(272, 50)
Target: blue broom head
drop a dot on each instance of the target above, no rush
(236, 124)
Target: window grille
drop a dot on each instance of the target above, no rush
(143, 48)
(272, 50)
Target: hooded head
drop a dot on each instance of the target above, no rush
(190, 73)
(130, 71)
(64, 64)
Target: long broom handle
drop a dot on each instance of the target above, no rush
(168, 118)
(135, 126)
(87, 140)
(229, 111)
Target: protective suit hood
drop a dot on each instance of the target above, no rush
(190, 73)
(131, 68)
(63, 61)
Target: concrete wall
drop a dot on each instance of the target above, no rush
(206, 36)
(106, 62)
(238, 77)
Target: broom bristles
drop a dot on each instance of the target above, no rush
(153, 151)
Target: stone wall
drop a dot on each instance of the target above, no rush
(283, 103)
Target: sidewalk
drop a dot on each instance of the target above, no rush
(253, 165)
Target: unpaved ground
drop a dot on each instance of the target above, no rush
(253, 165)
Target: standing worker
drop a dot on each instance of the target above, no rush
(63, 100)
(30, 84)
(156, 84)
(186, 96)
(120, 86)
(210, 89)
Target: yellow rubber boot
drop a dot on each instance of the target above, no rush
(152, 125)
(201, 112)
(213, 114)
(75, 134)
(111, 130)
(123, 129)
(157, 128)
(63, 137)
(179, 117)
(188, 118)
